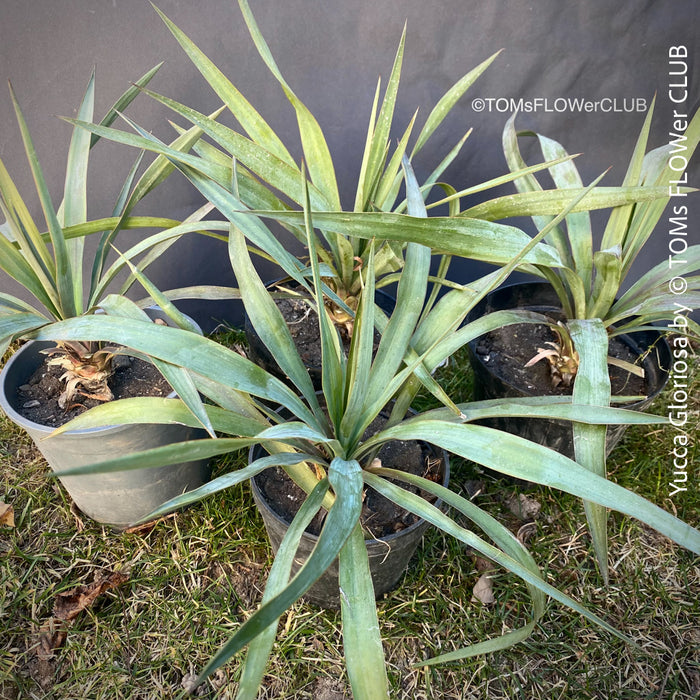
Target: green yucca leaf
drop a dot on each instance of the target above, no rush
(592, 387)
(316, 154)
(362, 642)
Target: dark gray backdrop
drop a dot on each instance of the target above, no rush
(331, 53)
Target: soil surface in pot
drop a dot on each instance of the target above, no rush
(38, 398)
(507, 350)
(380, 516)
(302, 321)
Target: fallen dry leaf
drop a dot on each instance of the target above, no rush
(523, 506)
(68, 605)
(483, 590)
(483, 565)
(53, 632)
(7, 515)
(188, 683)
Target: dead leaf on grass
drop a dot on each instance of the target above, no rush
(7, 515)
(483, 590)
(189, 684)
(53, 632)
(483, 565)
(68, 606)
(522, 506)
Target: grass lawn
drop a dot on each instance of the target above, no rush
(195, 576)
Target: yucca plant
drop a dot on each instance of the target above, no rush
(321, 445)
(589, 284)
(49, 261)
(591, 281)
(253, 170)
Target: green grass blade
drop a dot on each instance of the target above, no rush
(364, 654)
(592, 386)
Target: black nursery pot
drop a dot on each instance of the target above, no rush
(558, 435)
(389, 556)
(259, 353)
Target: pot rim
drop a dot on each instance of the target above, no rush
(27, 424)
(628, 338)
(387, 539)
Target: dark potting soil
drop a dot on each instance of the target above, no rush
(302, 321)
(507, 350)
(38, 398)
(379, 516)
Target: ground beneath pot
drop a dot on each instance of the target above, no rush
(507, 350)
(38, 398)
(380, 516)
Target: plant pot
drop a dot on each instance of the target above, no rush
(388, 556)
(558, 435)
(118, 498)
(259, 353)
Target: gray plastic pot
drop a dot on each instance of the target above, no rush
(119, 498)
(558, 435)
(388, 556)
